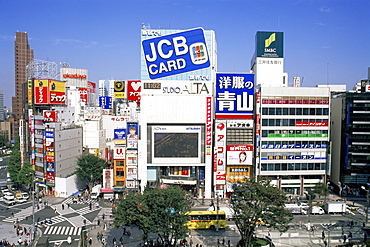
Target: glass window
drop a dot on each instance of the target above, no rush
(305, 111)
(291, 111)
(271, 122)
(290, 167)
(291, 122)
(325, 111)
(264, 111)
(285, 122)
(319, 111)
(312, 111)
(297, 166)
(278, 111)
(270, 167)
(285, 111)
(264, 133)
(304, 166)
(119, 174)
(271, 111)
(277, 122)
(298, 111)
(317, 166)
(277, 167)
(264, 122)
(310, 166)
(264, 167)
(284, 167)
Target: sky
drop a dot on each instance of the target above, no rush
(325, 41)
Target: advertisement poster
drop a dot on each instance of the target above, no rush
(239, 154)
(132, 135)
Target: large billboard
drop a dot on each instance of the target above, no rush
(49, 92)
(133, 90)
(270, 44)
(234, 96)
(175, 53)
(119, 90)
(74, 77)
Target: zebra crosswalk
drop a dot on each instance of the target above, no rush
(72, 200)
(86, 210)
(27, 212)
(62, 230)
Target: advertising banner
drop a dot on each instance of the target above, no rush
(91, 87)
(50, 116)
(239, 154)
(30, 92)
(119, 89)
(220, 146)
(105, 102)
(270, 44)
(92, 113)
(41, 92)
(58, 98)
(209, 120)
(120, 136)
(238, 173)
(175, 53)
(179, 171)
(221, 177)
(131, 173)
(131, 159)
(108, 179)
(119, 153)
(132, 135)
(234, 96)
(83, 95)
(50, 167)
(133, 90)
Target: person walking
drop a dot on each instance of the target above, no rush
(323, 234)
(90, 241)
(344, 238)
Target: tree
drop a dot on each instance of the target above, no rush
(159, 211)
(14, 162)
(321, 189)
(257, 200)
(90, 169)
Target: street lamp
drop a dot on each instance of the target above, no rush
(367, 201)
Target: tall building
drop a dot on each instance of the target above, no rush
(23, 54)
(2, 112)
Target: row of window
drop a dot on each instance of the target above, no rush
(293, 166)
(295, 111)
(294, 133)
(295, 122)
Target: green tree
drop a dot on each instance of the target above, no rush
(90, 169)
(14, 161)
(321, 189)
(256, 199)
(159, 211)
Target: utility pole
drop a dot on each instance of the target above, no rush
(367, 202)
(218, 208)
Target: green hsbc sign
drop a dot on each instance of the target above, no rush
(270, 44)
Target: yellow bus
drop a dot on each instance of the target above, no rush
(206, 219)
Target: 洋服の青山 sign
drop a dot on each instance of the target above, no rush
(175, 53)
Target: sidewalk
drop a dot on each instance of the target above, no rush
(8, 233)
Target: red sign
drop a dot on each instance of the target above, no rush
(41, 96)
(311, 123)
(49, 158)
(221, 177)
(58, 98)
(209, 122)
(83, 95)
(91, 86)
(133, 90)
(49, 175)
(50, 116)
(74, 76)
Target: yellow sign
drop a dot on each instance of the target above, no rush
(270, 40)
(119, 89)
(30, 92)
(57, 86)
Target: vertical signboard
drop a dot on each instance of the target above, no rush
(107, 178)
(105, 102)
(41, 92)
(49, 171)
(119, 89)
(133, 90)
(30, 92)
(175, 53)
(83, 95)
(220, 145)
(132, 135)
(234, 96)
(209, 126)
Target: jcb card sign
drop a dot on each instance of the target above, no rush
(176, 53)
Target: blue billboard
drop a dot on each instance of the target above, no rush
(119, 134)
(105, 102)
(234, 96)
(175, 53)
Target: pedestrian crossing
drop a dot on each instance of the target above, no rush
(72, 200)
(3, 167)
(86, 210)
(27, 212)
(62, 230)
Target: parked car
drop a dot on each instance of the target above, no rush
(9, 200)
(20, 200)
(8, 194)
(25, 195)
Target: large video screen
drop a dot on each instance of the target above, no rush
(177, 145)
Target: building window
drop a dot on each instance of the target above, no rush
(239, 136)
(120, 173)
(120, 183)
(119, 163)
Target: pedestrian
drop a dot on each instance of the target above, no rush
(124, 231)
(62, 206)
(342, 232)
(98, 222)
(90, 206)
(352, 223)
(114, 241)
(344, 239)
(55, 210)
(67, 205)
(103, 241)
(228, 243)
(20, 241)
(121, 240)
(105, 226)
(223, 241)
(13, 214)
(325, 243)
(218, 242)
(323, 234)
(90, 241)
(103, 216)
